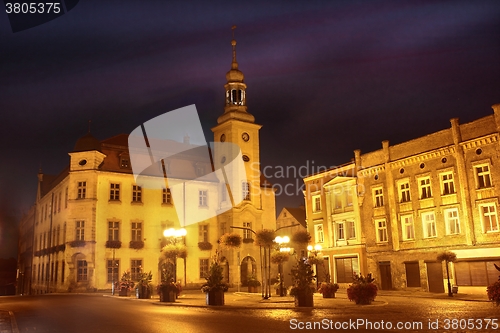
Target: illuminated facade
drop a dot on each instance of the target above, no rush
(93, 221)
(417, 199)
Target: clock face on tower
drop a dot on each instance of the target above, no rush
(223, 138)
(245, 136)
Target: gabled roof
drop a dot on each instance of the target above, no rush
(298, 213)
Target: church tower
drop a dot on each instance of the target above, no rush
(238, 126)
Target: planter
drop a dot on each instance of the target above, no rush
(282, 293)
(167, 295)
(304, 299)
(364, 301)
(124, 292)
(454, 289)
(215, 297)
(143, 292)
(328, 295)
(253, 289)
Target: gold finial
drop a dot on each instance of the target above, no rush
(233, 43)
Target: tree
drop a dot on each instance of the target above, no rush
(447, 256)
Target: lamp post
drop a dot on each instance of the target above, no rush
(173, 235)
(315, 250)
(282, 241)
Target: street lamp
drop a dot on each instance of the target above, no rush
(282, 241)
(173, 235)
(315, 250)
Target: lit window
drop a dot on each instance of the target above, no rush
(124, 162)
(136, 231)
(318, 233)
(245, 187)
(135, 268)
(316, 203)
(114, 191)
(404, 192)
(80, 230)
(136, 193)
(247, 233)
(447, 183)
(489, 217)
(483, 176)
(81, 190)
(429, 224)
(452, 221)
(81, 270)
(351, 229)
(381, 226)
(378, 197)
(202, 198)
(167, 196)
(203, 268)
(113, 231)
(425, 188)
(408, 227)
(203, 232)
(113, 267)
(340, 231)
(348, 197)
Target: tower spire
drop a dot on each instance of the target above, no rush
(234, 65)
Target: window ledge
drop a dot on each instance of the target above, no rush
(137, 203)
(114, 201)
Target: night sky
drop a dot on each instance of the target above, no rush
(324, 78)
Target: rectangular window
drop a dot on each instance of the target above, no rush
(378, 197)
(351, 229)
(56, 271)
(113, 231)
(136, 193)
(222, 228)
(408, 227)
(55, 204)
(135, 268)
(167, 196)
(81, 270)
(203, 268)
(316, 203)
(62, 271)
(245, 188)
(114, 191)
(404, 192)
(425, 188)
(483, 176)
(203, 232)
(489, 217)
(113, 268)
(59, 203)
(452, 221)
(136, 231)
(81, 190)
(429, 224)
(348, 197)
(318, 233)
(247, 234)
(345, 268)
(66, 198)
(447, 183)
(202, 198)
(381, 226)
(80, 230)
(340, 231)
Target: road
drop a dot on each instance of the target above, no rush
(67, 313)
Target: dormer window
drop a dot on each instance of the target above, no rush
(124, 161)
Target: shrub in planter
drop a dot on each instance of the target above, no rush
(77, 243)
(279, 257)
(144, 287)
(136, 245)
(168, 290)
(301, 237)
(493, 292)
(328, 289)
(362, 290)
(253, 284)
(303, 287)
(113, 244)
(214, 287)
(125, 285)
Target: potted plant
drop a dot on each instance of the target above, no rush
(279, 287)
(253, 284)
(214, 288)
(144, 287)
(362, 290)
(125, 285)
(168, 290)
(328, 289)
(303, 287)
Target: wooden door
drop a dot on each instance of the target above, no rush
(435, 277)
(385, 275)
